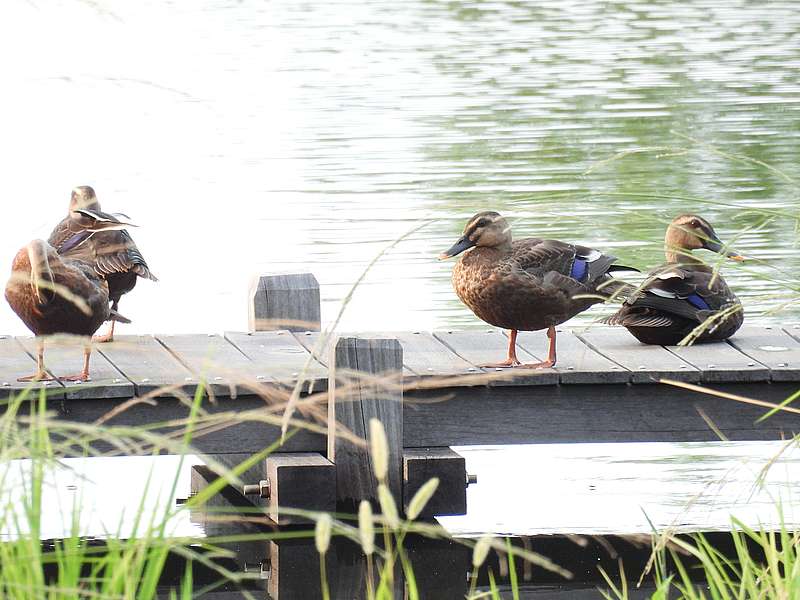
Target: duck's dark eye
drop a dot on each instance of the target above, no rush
(482, 223)
(695, 223)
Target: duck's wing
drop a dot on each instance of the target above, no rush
(672, 290)
(116, 252)
(574, 267)
(75, 230)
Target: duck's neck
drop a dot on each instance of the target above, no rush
(681, 255)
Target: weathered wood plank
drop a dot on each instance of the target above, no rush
(16, 362)
(214, 359)
(646, 363)
(582, 413)
(147, 364)
(721, 362)
(64, 356)
(280, 357)
(299, 480)
(490, 346)
(289, 301)
(576, 361)
(772, 347)
(353, 401)
(425, 356)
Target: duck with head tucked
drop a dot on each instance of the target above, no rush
(57, 295)
(527, 284)
(100, 239)
(684, 293)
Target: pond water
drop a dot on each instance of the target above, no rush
(251, 137)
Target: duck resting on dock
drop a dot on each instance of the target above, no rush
(527, 284)
(684, 293)
(100, 239)
(57, 295)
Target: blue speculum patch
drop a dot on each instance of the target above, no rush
(578, 269)
(697, 301)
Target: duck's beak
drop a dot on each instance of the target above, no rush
(462, 244)
(715, 245)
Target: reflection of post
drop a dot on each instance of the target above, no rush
(284, 302)
(365, 382)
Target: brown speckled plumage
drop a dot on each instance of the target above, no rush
(84, 234)
(526, 284)
(55, 295)
(683, 293)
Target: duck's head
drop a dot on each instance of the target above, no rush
(83, 197)
(690, 232)
(486, 229)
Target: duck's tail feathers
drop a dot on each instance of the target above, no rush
(613, 268)
(115, 316)
(627, 318)
(616, 289)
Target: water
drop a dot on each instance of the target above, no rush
(253, 137)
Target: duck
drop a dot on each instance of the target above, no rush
(527, 284)
(52, 295)
(684, 293)
(101, 239)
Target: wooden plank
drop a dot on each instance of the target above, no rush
(214, 359)
(425, 356)
(721, 362)
(490, 346)
(289, 301)
(147, 364)
(280, 357)
(580, 413)
(772, 347)
(14, 363)
(64, 356)
(576, 361)
(352, 403)
(645, 362)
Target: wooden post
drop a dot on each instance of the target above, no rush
(284, 302)
(421, 464)
(365, 382)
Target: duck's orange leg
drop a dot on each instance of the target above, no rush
(551, 352)
(512, 360)
(41, 374)
(83, 375)
(106, 337)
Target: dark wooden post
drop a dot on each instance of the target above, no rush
(365, 382)
(284, 302)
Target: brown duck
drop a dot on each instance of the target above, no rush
(100, 239)
(527, 284)
(53, 294)
(679, 296)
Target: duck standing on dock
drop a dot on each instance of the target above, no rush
(100, 239)
(527, 284)
(54, 294)
(680, 295)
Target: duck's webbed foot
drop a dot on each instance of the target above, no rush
(77, 377)
(106, 337)
(545, 364)
(40, 376)
(509, 362)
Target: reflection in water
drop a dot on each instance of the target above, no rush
(286, 135)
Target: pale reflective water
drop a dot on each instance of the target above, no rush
(249, 137)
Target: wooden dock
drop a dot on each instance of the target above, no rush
(605, 386)
(427, 389)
